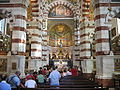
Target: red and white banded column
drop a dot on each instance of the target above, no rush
(104, 63)
(19, 31)
(84, 31)
(34, 28)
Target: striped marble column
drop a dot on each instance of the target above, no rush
(19, 32)
(76, 51)
(34, 28)
(43, 16)
(36, 47)
(84, 31)
(86, 28)
(35, 9)
(104, 63)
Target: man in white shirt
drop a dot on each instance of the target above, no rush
(30, 83)
(54, 77)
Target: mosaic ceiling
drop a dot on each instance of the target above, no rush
(61, 11)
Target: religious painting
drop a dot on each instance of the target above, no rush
(115, 44)
(3, 65)
(61, 11)
(14, 65)
(113, 32)
(117, 65)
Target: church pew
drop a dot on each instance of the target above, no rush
(70, 86)
(77, 83)
(78, 80)
(61, 89)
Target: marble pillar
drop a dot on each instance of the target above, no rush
(87, 66)
(105, 69)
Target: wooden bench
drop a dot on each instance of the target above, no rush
(78, 83)
(61, 89)
(70, 86)
(70, 83)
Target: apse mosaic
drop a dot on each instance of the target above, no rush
(61, 11)
(60, 35)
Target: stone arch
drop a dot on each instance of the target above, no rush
(54, 4)
(65, 3)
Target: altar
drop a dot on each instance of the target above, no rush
(60, 56)
(61, 63)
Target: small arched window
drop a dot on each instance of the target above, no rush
(2, 26)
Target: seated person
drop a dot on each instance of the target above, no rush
(30, 83)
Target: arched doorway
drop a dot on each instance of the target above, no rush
(61, 38)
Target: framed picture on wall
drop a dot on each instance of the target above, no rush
(117, 64)
(113, 32)
(14, 65)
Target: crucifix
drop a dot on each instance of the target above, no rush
(60, 43)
